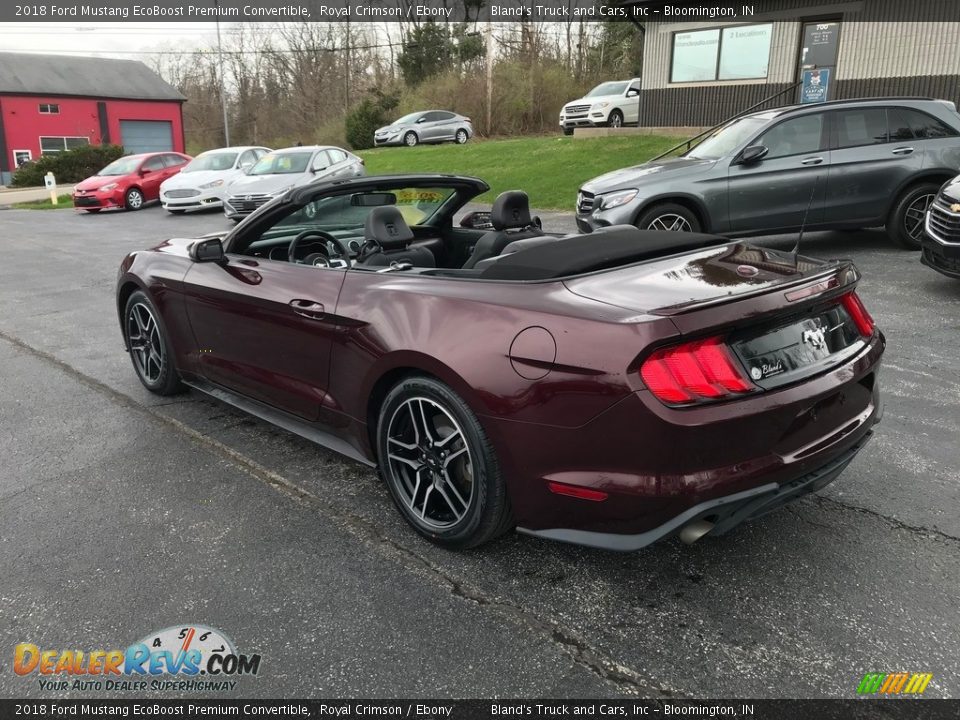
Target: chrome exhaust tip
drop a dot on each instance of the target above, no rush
(695, 530)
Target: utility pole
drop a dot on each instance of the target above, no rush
(490, 53)
(223, 84)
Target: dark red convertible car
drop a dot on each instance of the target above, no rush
(608, 389)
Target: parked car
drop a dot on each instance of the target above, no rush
(941, 244)
(846, 164)
(128, 182)
(278, 171)
(201, 181)
(609, 104)
(426, 126)
(608, 389)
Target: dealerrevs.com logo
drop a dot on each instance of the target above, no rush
(184, 658)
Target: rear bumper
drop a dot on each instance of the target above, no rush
(659, 468)
(943, 258)
(724, 513)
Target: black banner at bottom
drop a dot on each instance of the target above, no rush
(908, 709)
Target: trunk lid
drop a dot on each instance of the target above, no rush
(677, 285)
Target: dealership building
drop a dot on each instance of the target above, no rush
(51, 103)
(699, 73)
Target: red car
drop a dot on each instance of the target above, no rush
(608, 389)
(128, 182)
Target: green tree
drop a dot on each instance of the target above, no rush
(366, 117)
(433, 48)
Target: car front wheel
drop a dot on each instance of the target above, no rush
(669, 217)
(411, 139)
(133, 199)
(439, 466)
(616, 119)
(150, 349)
(906, 222)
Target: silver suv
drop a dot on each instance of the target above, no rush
(853, 163)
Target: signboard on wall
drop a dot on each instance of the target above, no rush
(816, 86)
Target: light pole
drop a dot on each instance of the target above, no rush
(223, 85)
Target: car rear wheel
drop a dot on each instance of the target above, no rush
(461, 136)
(906, 221)
(133, 199)
(150, 349)
(568, 131)
(669, 217)
(616, 119)
(439, 466)
(411, 139)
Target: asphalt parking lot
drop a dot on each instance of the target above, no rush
(122, 513)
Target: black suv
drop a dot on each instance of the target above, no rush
(855, 163)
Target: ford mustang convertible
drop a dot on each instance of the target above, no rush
(609, 389)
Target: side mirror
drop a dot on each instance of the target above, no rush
(421, 119)
(632, 93)
(246, 166)
(753, 154)
(318, 168)
(479, 220)
(210, 250)
(145, 171)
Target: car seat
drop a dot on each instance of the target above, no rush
(510, 217)
(388, 239)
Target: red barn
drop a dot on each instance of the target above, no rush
(51, 103)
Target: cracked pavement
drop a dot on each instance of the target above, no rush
(123, 513)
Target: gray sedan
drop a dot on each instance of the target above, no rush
(278, 171)
(426, 126)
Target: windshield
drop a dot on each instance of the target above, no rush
(608, 88)
(728, 138)
(408, 119)
(212, 161)
(282, 164)
(123, 166)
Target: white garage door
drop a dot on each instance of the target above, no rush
(139, 136)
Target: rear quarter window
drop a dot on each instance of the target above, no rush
(927, 127)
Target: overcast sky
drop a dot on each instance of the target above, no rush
(127, 40)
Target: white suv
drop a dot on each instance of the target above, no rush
(609, 104)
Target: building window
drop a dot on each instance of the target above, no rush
(49, 109)
(732, 53)
(53, 145)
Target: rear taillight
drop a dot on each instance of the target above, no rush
(694, 372)
(858, 313)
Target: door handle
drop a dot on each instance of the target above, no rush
(307, 308)
(811, 161)
(902, 150)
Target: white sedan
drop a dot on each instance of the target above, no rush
(200, 184)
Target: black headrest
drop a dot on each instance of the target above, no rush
(510, 210)
(386, 227)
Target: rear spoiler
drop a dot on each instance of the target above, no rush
(840, 276)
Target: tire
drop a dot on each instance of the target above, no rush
(157, 374)
(461, 137)
(615, 120)
(568, 131)
(133, 200)
(668, 216)
(906, 221)
(463, 503)
(411, 139)
(176, 212)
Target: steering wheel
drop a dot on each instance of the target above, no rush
(320, 235)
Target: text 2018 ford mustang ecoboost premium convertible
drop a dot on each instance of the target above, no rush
(610, 389)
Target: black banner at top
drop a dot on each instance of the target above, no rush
(377, 10)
